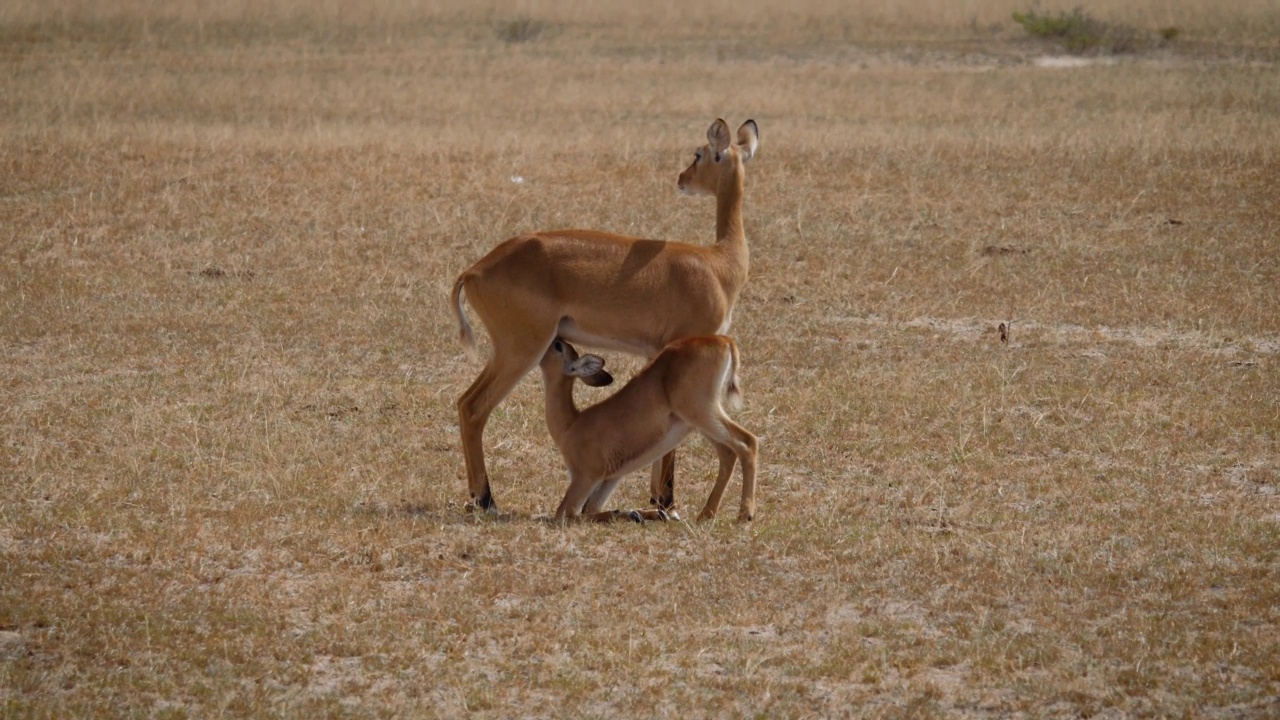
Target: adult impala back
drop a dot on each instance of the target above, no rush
(603, 291)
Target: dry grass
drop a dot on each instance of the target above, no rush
(229, 448)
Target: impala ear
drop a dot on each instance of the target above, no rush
(718, 136)
(748, 139)
(600, 379)
(584, 366)
(591, 369)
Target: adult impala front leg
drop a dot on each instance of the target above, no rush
(514, 355)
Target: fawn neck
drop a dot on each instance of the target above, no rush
(561, 412)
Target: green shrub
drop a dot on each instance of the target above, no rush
(1081, 33)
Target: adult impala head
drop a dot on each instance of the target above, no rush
(681, 390)
(704, 175)
(606, 291)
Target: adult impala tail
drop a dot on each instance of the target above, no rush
(603, 291)
(679, 391)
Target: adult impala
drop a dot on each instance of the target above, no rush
(604, 291)
(681, 390)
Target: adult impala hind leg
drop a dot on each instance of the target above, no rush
(662, 484)
(512, 359)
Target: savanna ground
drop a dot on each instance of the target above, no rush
(232, 483)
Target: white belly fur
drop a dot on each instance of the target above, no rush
(570, 331)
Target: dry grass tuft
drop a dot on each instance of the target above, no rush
(1010, 343)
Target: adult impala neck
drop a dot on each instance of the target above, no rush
(729, 205)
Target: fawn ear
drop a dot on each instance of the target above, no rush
(600, 379)
(584, 366)
(591, 369)
(748, 139)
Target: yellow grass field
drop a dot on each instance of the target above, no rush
(229, 453)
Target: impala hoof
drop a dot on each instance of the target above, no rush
(490, 510)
